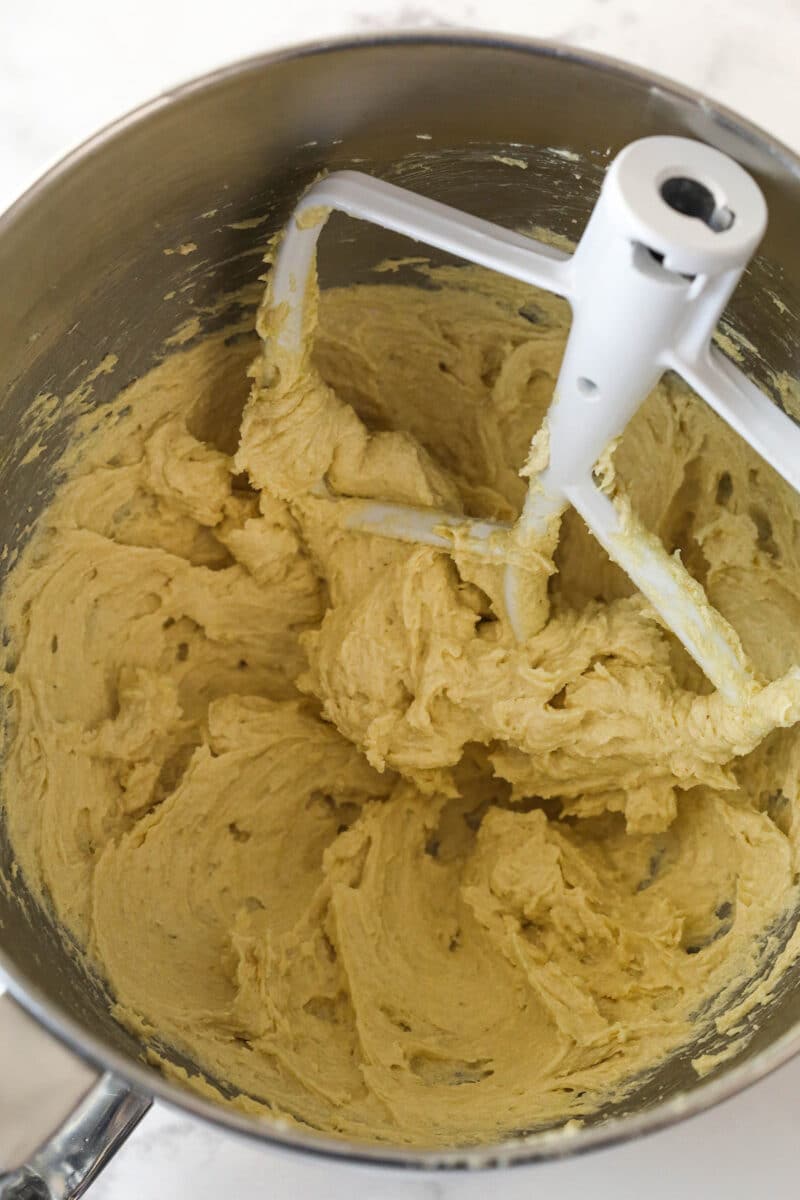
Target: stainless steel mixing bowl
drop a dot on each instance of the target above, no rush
(82, 275)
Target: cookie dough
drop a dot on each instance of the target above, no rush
(324, 828)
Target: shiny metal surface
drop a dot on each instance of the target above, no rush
(60, 1120)
(83, 273)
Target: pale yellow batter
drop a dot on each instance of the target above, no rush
(322, 825)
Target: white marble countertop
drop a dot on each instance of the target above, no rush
(65, 70)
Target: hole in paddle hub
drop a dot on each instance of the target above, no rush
(693, 199)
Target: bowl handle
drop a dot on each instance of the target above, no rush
(60, 1120)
